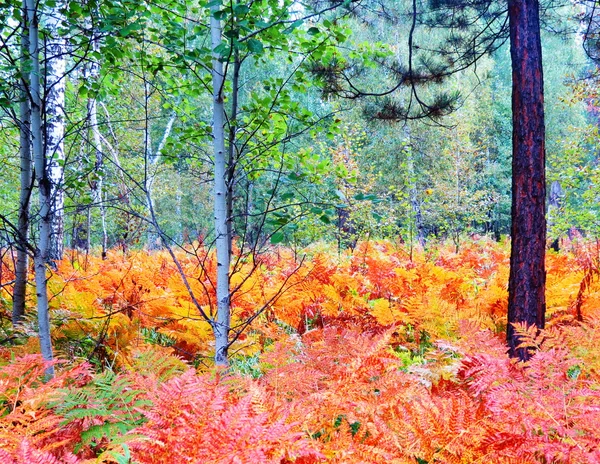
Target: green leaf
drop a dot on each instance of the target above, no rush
(296, 176)
(222, 50)
(241, 9)
(254, 46)
(277, 237)
(313, 30)
(293, 26)
(219, 15)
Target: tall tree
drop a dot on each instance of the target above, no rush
(41, 254)
(527, 280)
(89, 76)
(222, 235)
(475, 28)
(22, 263)
(54, 121)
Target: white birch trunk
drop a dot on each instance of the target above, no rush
(152, 159)
(55, 63)
(22, 264)
(44, 185)
(93, 72)
(222, 325)
(97, 185)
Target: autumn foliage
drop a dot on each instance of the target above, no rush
(364, 357)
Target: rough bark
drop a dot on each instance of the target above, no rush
(22, 263)
(221, 326)
(54, 124)
(526, 300)
(42, 248)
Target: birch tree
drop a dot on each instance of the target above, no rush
(222, 232)
(91, 72)
(22, 262)
(259, 126)
(54, 121)
(249, 126)
(42, 248)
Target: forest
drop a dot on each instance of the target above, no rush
(299, 231)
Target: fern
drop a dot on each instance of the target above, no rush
(393, 360)
(156, 362)
(105, 409)
(196, 419)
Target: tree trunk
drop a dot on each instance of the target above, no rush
(22, 264)
(556, 193)
(151, 162)
(56, 52)
(222, 325)
(80, 233)
(232, 155)
(44, 184)
(526, 288)
(412, 185)
(93, 72)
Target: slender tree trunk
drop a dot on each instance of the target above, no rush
(124, 192)
(44, 184)
(527, 281)
(251, 229)
(22, 264)
(457, 224)
(56, 52)
(80, 229)
(556, 193)
(414, 199)
(232, 154)
(178, 199)
(98, 182)
(152, 159)
(221, 326)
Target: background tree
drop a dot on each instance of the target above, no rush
(26, 185)
(140, 128)
(54, 85)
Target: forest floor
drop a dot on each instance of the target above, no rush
(370, 356)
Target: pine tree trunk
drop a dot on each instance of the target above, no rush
(22, 264)
(43, 246)
(56, 52)
(222, 325)
(526, 299)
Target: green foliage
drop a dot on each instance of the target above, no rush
(105, 409)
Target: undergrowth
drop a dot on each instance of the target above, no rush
(369, 357)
